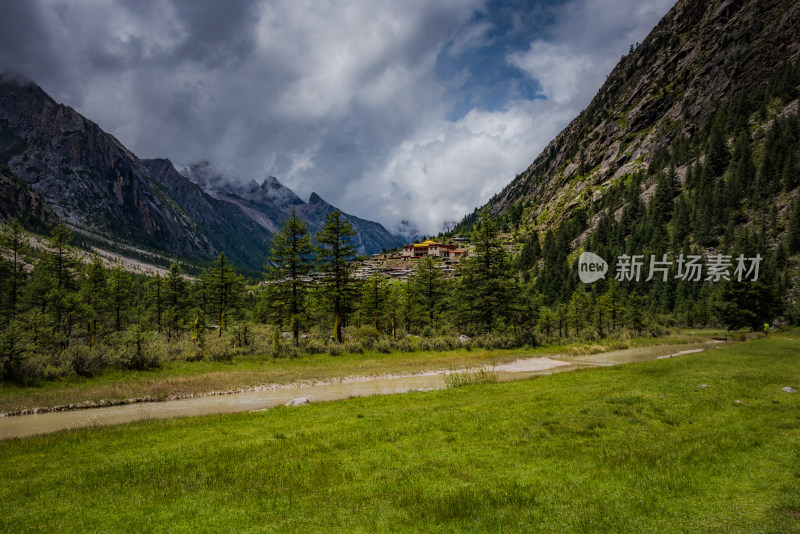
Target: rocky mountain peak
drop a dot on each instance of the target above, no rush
(317, 200)
(700, 57)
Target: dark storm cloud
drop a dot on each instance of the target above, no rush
(390, 110)
(27, 46)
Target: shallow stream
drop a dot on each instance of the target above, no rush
(43, 423)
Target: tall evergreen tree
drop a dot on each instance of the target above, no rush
(486, 286)
(120, 293)
(15, 245)
(225, 290)
(336, 255)
(717, 151)
(94, 296)
(290, 263)
(155, 299)
(58, 272)
(429, 289)
(793, 238)
(531, 251)
(749, 303)
(175, 299)
(374, 298)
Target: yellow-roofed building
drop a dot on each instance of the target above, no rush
(431, 249)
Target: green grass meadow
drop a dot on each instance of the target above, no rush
(634, 448)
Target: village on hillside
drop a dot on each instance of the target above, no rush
(401, 265)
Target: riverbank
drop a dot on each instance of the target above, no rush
(183, 379)
(704, 442)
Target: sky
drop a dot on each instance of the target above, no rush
(391, 110)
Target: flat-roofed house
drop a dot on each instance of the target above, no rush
(431, 249)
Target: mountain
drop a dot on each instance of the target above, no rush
(701, 59)
(371, 236)
(86, 176)
(18, 201)
(64, 166)
(271, 202)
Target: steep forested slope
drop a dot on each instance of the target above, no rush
(690, 147)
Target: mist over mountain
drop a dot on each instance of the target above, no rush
(270, 202)
(87, 178)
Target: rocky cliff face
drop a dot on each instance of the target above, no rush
(88, 177)
(18, 201)
(72, 170)
(699, 58)
(224, 225)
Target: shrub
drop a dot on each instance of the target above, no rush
(135, 352)
(366, 336)
(403, 344)
(384, 345)
(352, 346)
(218, 349)
(314, 346)
(84, 361)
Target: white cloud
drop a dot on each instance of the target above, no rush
(341, 97)
(450, 168)
(446, 169)
(562, 73)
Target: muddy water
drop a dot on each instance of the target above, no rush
(26, 425)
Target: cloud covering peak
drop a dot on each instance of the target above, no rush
(393, 111)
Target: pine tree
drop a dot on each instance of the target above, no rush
(175, 297)
(428, 289)
(547, 320)
(61, 266)
(612, 302)
(94, 296)
(374, 297)
(120, 293)
(793, 238)
(15, 245)
(635, 312)
(336, 255)
(291, 262)
(749, 303)
(744, 170)
(661, 206)
(579, 310)
(717, 151)
(155, 298)
(530, 254)
(224, 290)
(486, 282)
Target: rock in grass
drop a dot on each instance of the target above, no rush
(703, 386)
(788, 389)
(300, 401)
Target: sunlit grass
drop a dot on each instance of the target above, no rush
(632, 448)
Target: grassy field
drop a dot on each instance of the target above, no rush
(634, 448)
(182, 378)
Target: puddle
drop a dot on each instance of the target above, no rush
(27, 425)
